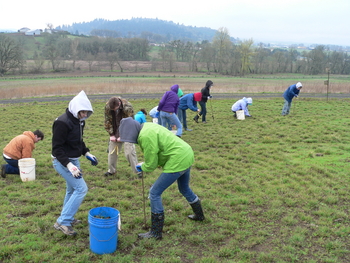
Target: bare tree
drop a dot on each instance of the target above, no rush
(222, 45)
(11, 54)
(113, 59)
(317, 60)
(260, 58)
(207, 54)
(74, 50)
(244, 48)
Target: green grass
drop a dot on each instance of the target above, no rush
(273, 189)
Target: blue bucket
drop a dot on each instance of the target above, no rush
(103, 229)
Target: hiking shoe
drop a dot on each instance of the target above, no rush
(108, 174)
(68, 230)
(3, 171)
(188, 129)
(76, 222)
(204, 122)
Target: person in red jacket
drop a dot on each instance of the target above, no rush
(19, 147)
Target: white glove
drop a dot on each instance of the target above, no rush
(74, 170)
(91, 158)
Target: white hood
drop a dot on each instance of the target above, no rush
(79, 103)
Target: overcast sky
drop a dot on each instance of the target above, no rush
(287, 21)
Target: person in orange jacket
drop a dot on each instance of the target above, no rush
(18, 148)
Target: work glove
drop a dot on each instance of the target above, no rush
(75, 171)
(91, 158)
(157, 114)
(209, 97)
(138, 167)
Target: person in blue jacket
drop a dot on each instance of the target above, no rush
(288, 95)
(189, 101)
(242, 104)
(141, 116)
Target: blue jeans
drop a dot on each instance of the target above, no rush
(164, 181)
(286, 107)
(75, 192)
(182, 117)
(11, 166)
(171, 119)
(203, 110)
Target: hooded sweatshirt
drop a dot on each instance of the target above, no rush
(154, 113)
(140, 117)
(241, 105)
(188, 102)
(291, 92)
(67, 130)
(21, 146)
(170, 100)
(159, 146)
(206, 91)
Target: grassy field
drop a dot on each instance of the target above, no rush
(158, 82)
(273, 189)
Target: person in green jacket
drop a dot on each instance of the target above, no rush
(162, 148)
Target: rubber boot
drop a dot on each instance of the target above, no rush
(156, 228)
(196, 118)
(198, 212)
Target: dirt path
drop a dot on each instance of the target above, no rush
(159, 96)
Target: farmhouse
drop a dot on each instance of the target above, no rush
(35, 32)
(23, 30)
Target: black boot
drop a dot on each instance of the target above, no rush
(156, 228)
(196, 118)
(198, 212)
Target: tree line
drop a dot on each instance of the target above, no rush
(220, 55)
(153, 29)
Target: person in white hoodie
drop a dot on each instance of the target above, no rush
(242, 104)
(67, 147)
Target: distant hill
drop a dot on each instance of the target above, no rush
(154, 30)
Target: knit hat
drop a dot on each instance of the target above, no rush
(197, 96)
(299, 85)
(129, 130)
(250, 101)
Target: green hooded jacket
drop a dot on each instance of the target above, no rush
(162, 148)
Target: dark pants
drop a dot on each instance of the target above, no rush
(203, 110)
(11, 166)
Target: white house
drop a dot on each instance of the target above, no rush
(35, 32)
(23, 30)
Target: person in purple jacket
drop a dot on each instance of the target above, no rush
(288, 95)
(167, 108)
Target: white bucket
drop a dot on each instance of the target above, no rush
(155, 120)
(240, 115)
(27, 169)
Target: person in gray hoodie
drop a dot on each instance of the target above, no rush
(67, 147)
